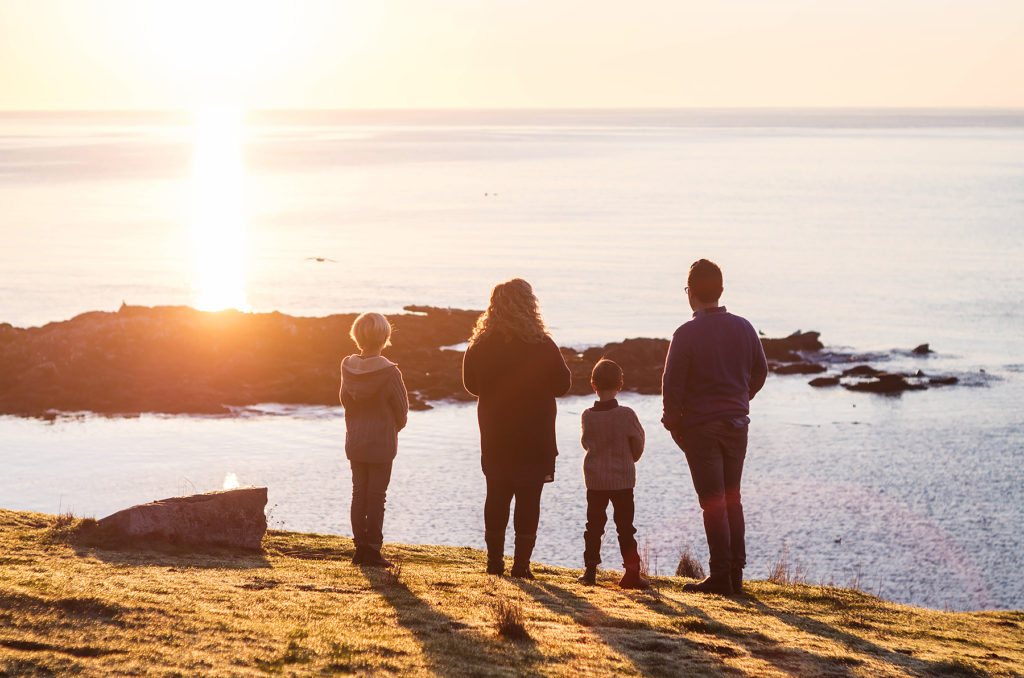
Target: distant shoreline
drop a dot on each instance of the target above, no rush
(668, 117)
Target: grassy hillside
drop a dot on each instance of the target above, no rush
(300, 608)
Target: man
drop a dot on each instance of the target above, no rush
(715, 365)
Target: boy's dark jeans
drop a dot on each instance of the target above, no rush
(369, 490)
(597, 516)
(715, 452)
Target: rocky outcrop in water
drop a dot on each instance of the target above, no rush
(180, 360)
(232, 518)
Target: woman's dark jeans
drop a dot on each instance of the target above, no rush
(369, 490)
(597, 516)
(715, 452)
(500, 492)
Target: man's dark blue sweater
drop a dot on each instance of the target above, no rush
(714, 367)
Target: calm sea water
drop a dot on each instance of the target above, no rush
(881, 229)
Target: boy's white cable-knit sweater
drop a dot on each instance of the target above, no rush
(614, 441)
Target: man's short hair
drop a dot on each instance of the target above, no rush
(705, 280)
(606, 375)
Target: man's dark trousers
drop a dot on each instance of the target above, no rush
(715, 451)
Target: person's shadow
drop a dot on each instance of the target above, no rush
(450, 647)
(654, 653)
(792, 660)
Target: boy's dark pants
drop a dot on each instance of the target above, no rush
(369, 490)
(715, 452)
(597, 516)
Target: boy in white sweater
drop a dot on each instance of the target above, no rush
(613, 440)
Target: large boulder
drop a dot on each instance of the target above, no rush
(232, 518)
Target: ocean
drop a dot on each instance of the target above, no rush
(880, 229)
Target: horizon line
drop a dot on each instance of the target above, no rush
(410, 109)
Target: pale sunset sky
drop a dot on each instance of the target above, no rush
(149, 54)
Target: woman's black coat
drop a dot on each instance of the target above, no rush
(516, 383)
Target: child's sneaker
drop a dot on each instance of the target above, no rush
(589, 577)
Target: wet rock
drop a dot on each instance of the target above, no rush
(886, 383)
(861, 371)
(799, 368)
(943, 381)
(923, 349)
(781, 349)
(788, 357)
(820, 382)
(232, 518)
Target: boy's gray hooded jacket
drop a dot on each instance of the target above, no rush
(376, 407)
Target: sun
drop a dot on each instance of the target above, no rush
(218, 211)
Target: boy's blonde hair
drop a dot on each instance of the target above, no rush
(370, 331)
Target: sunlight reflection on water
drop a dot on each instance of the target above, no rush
(218, 211)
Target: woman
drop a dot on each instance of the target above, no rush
(516, 371)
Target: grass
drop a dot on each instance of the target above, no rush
(784, 570)
(509, 620)
(689, 566)
(72, 603)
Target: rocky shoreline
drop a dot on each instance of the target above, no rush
(178, 360)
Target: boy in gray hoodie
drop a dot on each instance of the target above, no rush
(376, 409)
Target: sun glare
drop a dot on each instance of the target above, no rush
(218, 211)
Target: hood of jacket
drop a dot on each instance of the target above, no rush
(363, 378)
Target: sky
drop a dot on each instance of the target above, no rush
(152, 54)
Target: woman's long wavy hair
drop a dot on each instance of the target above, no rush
(513, 311)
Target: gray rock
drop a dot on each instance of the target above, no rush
(225, 518)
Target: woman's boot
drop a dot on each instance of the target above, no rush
(495, 552)
(521, 561)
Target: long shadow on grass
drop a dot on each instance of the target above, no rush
(694, 622)
(171, 556)
(450, 647)
(854, 642)
(791, 659)
(653, 653)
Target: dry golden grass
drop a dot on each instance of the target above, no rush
(301, 608)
